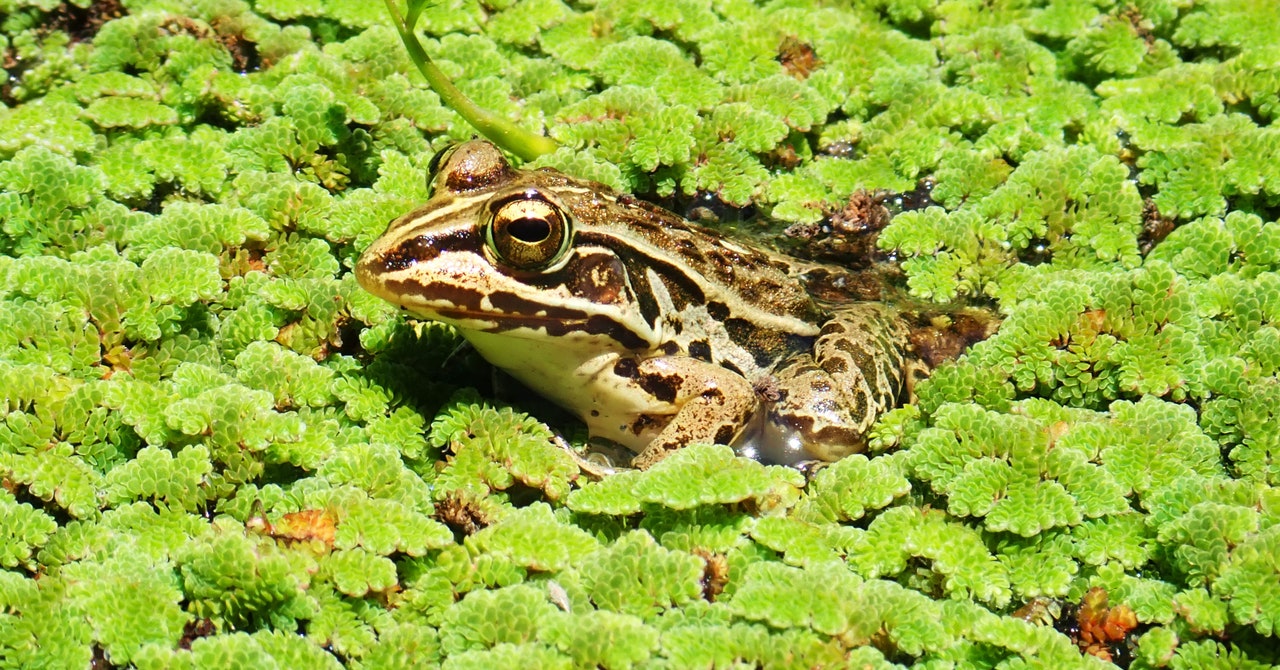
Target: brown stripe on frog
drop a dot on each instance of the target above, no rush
(417, 238)
(690, 252)
(673, 274)
(444, 211)
(510, 311)
(648, 305)
(603, 325)
(423, 248)
(512, 305)
(518, 312)
(462, 298)
(595, 324)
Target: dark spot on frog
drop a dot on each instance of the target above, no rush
(627, 368)
(731, 368)
(718, 310)
(861, 406)
(662, 387)
(862, 359)
(670, 348)
(799, 343)
(700, 350)
(725, 434)
(834, 327)
(867, 364)
(595, 413)
(761, 291)
(643, 423)
(892, 377)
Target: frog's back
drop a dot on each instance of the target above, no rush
(711, 297)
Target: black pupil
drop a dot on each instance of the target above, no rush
(529, 230)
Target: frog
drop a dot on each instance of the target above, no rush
(656, 332)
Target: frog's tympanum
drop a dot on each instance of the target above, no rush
(657, 332)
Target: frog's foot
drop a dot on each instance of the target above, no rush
(714, 404)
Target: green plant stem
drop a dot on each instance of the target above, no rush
(502, 132)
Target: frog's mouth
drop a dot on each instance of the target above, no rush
(500, 321)
(446, 301)
(541, 326)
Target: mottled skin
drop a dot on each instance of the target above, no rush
(657, 332)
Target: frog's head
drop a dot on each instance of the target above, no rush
(497, 249)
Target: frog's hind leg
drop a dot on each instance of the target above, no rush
(820, 406)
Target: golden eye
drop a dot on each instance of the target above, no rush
(527, 231)
(433, 167)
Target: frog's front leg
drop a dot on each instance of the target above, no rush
(712, 404)
(820, 406)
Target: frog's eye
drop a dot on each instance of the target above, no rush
(433, 167)
(527, 231)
